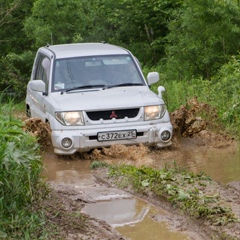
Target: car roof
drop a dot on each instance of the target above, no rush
(85, 49)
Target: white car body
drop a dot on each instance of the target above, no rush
(102, 112)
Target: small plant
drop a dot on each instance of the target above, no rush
(177, 186)
(98, 164)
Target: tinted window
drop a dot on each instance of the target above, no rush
(42, 69)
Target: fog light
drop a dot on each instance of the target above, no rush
(165, 135)
(67, 142)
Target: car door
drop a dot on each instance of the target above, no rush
(41, 71)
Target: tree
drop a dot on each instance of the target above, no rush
(12, 36)
(204, 34)
(58, 21)
(139, 25)
(13, 42)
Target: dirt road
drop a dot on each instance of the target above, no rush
(66, 202)
(73, 197)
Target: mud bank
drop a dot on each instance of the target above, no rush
(215, 216)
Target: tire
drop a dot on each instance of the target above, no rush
(28, 111)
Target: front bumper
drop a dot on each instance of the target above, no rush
(85, 140)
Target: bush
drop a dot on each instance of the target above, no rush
(20, 183)
(222, 92)
(15, 73)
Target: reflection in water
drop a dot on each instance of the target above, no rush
(118, 212)
(149, 229)
(131, 217)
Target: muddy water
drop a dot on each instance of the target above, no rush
(135, 219)
(132, 217)
(151, 229)
(221, 164)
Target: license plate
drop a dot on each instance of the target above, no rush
(118, 135)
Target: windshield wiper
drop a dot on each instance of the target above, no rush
(85, 87)
(123, 85)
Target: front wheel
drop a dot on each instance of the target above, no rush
(28, 111)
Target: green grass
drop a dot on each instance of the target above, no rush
(20, 182)
(179, 187)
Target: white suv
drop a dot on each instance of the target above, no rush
(94, 95)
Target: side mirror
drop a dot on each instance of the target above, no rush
(152, 77)
(37, 85)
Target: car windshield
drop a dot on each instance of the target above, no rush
(104, 71)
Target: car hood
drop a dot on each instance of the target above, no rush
(113, 98)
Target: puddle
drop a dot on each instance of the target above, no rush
(223, 165)
(66, 171)
(149, 229)
(118, 212)
(132, 217)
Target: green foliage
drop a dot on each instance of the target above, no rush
(20, 184)
(138, 25)
(203, 35)
(98, 164)
(57, 21)
(226, 93)
(14, 61)
(12, 36)
(15, 74)
(221, 92)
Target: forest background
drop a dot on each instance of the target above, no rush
(193, 44)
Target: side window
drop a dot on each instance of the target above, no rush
(42, 69)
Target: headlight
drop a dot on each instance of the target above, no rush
(154, 112)
(70, 118)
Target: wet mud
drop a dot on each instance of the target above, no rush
(199, 145)
(134, 216)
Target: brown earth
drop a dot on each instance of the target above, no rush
(196, 122)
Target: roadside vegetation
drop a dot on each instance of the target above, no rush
(194, 194)
(222, 92)
(20, 184)
(180, 187)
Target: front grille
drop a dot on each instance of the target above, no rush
(109, 114)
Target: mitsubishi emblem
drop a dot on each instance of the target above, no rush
(113, 115)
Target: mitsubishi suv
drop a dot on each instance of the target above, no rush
(94, 95)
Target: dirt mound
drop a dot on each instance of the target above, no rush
(39, 129)
(193, 118)
(118, 151)
(199, 121)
